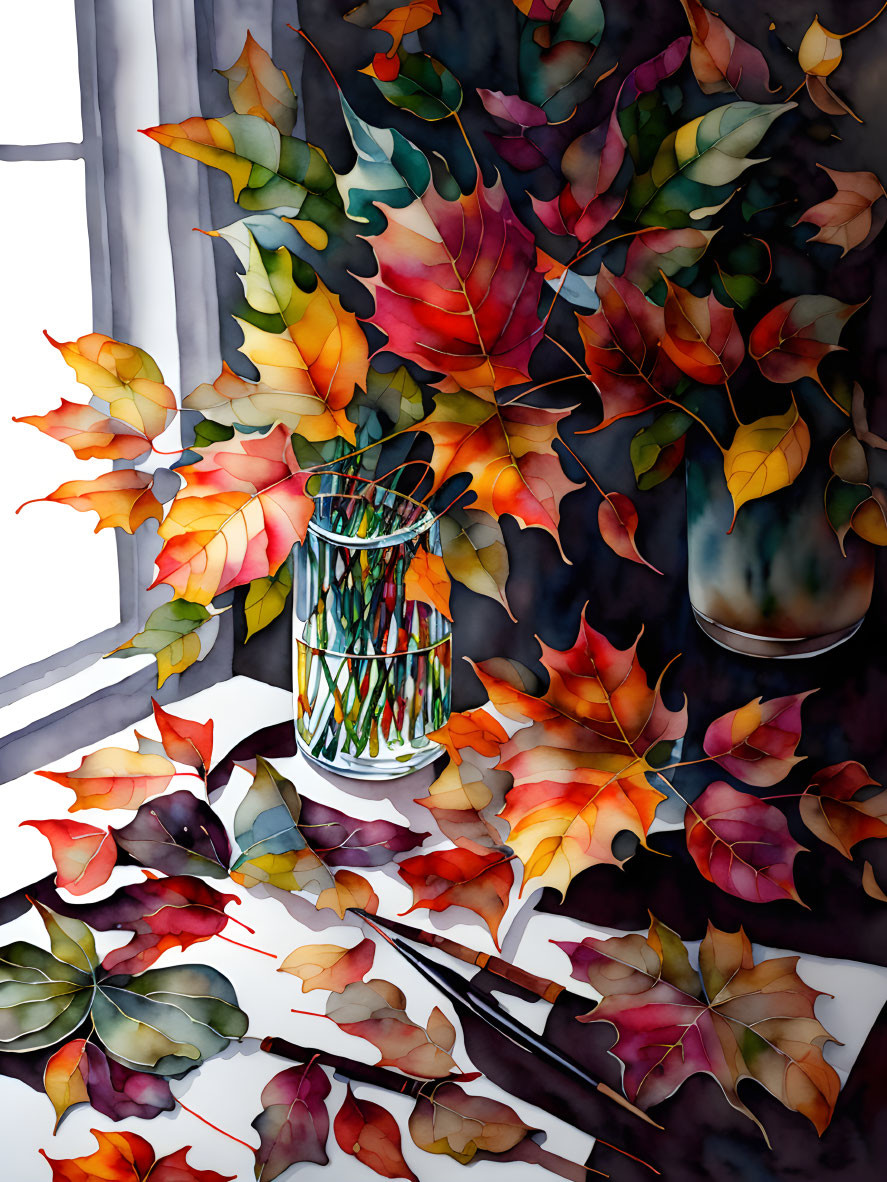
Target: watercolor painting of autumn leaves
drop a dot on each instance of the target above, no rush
(536, 268)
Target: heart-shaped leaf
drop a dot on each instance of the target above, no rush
(765, 456)
(742, 844)
(293, 1125)
(84, 856)
(370, 1133)
(177, 834)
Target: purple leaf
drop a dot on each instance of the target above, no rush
(177, 834)
(343, 841)
(293, 1125)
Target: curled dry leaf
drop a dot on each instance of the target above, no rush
(183, 740)
(84, 856)
(765, 456)
(846, 219)
(742, 844)
(820, 51)
(479, 881)
(327, 966)
(756, 743)
(80, 1072)
(580, 769)
(293, 1125)
(127, 1157)
(122, 499)
(376, 1010)
(735, 1020)
(257, 87)
(838, 808)
(451, 1121)
(617, 520)
(114, 778)
(791, 340)
(371, 1134)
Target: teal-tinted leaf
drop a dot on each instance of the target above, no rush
(656, 450)
(389, 169)
(168, 1020)
(695, 166)
(177, 633)
(70, 940)
(647, 121)
(265, 821)
(554, 57)
(266, 598)
(424, 86)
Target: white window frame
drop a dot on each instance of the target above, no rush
(73, 697)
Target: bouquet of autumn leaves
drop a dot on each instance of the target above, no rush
(460, 297)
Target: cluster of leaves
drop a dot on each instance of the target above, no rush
(459, 291)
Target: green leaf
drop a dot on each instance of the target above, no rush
(474, 552)
(177, 633)
(266, 169)
(554, 57)
(42, 999)
(167, 1020)
(424, 86)
(266, 598)
(69, 939)
(397, 396)
(389, 169)
(695, 166)
(656, 450)
(207, 432)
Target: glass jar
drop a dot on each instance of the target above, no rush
(778, 584)
(372, 671)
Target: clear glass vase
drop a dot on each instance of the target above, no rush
(778, 584)
(372, 666)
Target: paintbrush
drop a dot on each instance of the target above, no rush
(540, 986)
(462, 991)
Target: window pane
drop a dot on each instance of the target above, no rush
(41, 87)
(60, 579)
